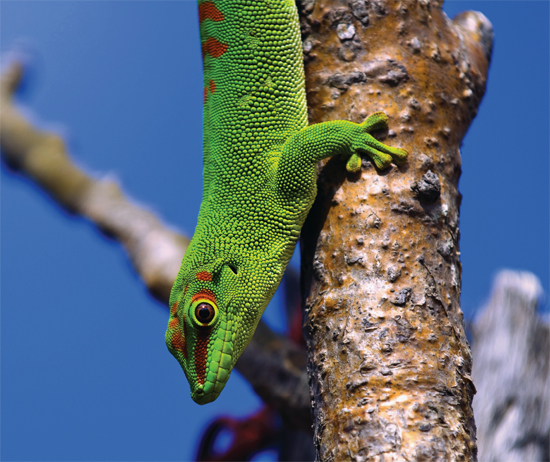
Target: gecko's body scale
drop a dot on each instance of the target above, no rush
(259, 182)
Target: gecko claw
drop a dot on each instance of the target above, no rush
(381, 154)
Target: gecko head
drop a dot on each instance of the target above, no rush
(208, 326)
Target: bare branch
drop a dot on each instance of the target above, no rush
(511, 352)
(262, 365)
(154, 249)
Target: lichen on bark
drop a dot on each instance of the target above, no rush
(389, 363)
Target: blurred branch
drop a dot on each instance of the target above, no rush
(274, 361)
(272, 364)
(154, 250)
(511, 352)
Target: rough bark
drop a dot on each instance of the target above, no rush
(154, 248)
(388, 360)
(511, 350)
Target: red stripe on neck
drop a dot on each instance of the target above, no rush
(201, 353)
(178, 343)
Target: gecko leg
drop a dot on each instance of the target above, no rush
(300, 153)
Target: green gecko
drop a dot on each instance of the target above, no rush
(259, 182)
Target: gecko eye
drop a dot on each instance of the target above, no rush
(205, 313)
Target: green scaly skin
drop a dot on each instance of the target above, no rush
(259, 182)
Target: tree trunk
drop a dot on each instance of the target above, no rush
(389, 364)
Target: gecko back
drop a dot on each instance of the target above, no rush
(254, 94)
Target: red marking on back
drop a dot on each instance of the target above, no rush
(208, 10)
(204, 293)
(185, 291)
(201, 353)
(205, 94)
(213, 47)
(212, 86)
(174, 309)
(204, 276)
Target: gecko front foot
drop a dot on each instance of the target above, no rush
(364, 142)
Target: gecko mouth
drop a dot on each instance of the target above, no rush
(200, 397)
(213, 386)
(216, 373)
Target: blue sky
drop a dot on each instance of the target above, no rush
(85, 371)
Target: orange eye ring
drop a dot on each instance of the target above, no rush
(204, 313)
